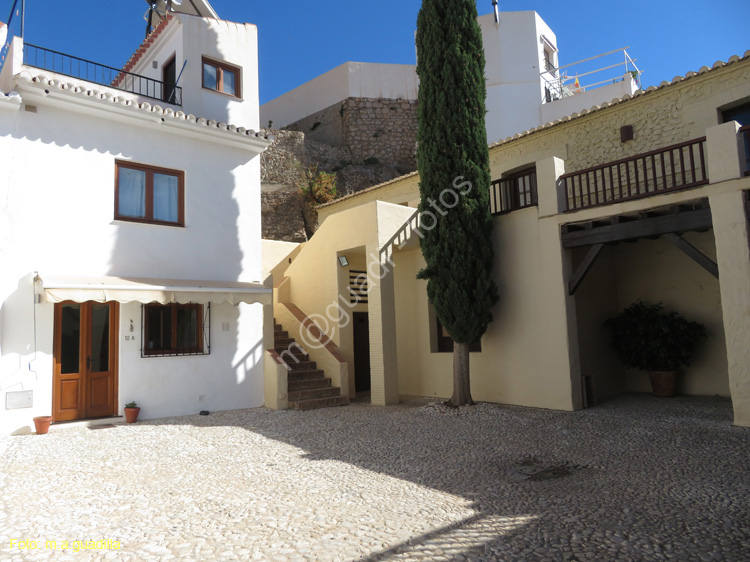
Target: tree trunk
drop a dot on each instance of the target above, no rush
(461, 384)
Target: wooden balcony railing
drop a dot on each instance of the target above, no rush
(745, 131)
(514, 192)
(675, 167)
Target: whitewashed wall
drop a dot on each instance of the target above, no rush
(190, 38)
(57, 189)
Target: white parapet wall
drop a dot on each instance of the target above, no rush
(588, 99)
(349, 80)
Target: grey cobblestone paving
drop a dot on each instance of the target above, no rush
(638, 479)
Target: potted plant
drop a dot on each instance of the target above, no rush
(131, 412)
(41, 423)
(652, 339)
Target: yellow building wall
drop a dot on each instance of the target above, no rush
(512, 367)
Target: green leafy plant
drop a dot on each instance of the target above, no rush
(651, 338)
(131, 405)
(318, 187)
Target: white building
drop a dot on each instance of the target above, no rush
(130, 240)
(526, 86)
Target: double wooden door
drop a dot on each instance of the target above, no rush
(85, 371)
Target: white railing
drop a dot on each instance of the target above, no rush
(565, 81)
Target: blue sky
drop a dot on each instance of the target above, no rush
(300, 40)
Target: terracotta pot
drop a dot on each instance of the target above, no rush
(42, 424)
(131, 414)
(663, 383)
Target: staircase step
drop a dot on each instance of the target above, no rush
(282, 342)
(280, 334)
(305, 375)
(325, 392)
(304, 366)
(315, 403)
(294, 360)
(308, 384)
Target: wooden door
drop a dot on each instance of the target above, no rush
(85, 370)
(361, 351)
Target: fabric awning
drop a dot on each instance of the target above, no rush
(163, 291)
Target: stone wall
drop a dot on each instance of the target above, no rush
(374, 131)
(383, 129)
(283, 166)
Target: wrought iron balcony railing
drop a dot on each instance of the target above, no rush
(75, 67)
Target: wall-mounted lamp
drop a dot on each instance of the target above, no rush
(343, 261)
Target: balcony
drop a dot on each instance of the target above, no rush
(676, 167)
(67, 65)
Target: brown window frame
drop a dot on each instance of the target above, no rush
(514, 192)
(445, 343)
(199, 349)
(149, 214)
(222, 67)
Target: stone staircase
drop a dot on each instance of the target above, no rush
(308, 387)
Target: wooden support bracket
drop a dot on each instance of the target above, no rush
(694, 253)
(584, 268)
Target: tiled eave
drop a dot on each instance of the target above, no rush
(10, 101)
(106, 105)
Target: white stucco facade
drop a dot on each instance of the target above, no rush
(59, 145)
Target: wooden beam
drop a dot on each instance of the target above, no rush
(694, 253)
(584, 268)
(650, 227)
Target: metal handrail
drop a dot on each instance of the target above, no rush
(75, 67)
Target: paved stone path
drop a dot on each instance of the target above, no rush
(638, 479)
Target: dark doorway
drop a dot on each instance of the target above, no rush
(361, 351)
(169, 77)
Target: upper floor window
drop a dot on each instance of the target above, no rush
(149, 194)
(513, 192)
(221, 77)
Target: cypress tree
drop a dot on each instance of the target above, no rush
(453, 162)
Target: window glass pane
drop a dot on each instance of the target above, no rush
(132, 193)
(99, 338)
(71, 339)
(230, 82)
(187, 329)
(158, 328)
(166, 198)
(210, 79)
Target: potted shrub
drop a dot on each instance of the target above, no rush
(655, 340)
(41, 423)
(131, 412)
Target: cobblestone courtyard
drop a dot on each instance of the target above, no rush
(637, 479)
